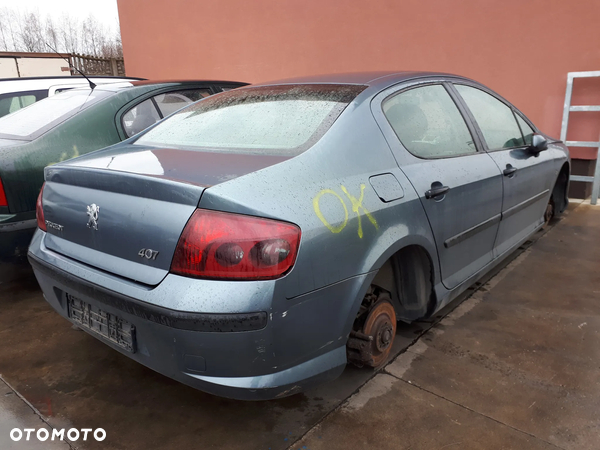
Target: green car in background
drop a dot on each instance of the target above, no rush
(71, 124)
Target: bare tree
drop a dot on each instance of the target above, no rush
(52, 34)
(4, 35)
(8, 27)
(118, 43)
(112, 48)
(30, 32)
(69, 34)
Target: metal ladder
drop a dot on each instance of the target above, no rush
(563, 132)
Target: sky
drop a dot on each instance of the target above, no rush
(105, 11)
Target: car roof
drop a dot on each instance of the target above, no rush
(372, 79)
(70, 78)
(118, 86)
(8, 85)
(148, 82)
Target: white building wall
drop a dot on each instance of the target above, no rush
(8, 68)
(11, 67)
(42, 67)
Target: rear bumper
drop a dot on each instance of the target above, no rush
(248, 355)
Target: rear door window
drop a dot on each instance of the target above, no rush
(495, 119)
(428, 123)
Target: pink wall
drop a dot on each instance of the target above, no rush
(523, 49)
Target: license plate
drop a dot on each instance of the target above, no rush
(107, 325)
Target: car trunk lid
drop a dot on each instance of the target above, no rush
(123, 211)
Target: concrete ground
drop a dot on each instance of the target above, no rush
(16, 412)
(515, 365)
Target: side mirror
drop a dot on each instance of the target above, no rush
(538, 144)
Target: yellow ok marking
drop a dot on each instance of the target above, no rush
(356, 205)
(322, 217)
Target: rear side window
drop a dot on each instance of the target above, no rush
(150, 111)
(140, 117)
(428, 123)
(495, 119)
(170, 102)
(275, 120)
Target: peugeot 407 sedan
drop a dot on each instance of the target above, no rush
(255, 242)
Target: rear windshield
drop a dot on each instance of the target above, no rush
(33, 121)
(274, 120)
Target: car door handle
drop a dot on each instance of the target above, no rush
(436, 191)
(509, 171)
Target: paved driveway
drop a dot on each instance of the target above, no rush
(513, 366)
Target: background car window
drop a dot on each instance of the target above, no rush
(495, 119)
(31, 122)
(14, 101)
(170, 102)
(526, 129)
(140, 117)
(12, 104)
(428, 123)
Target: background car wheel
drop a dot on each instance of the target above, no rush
(371, 340)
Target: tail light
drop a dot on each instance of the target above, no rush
(3, 201)
(39, 210)
(232, 246)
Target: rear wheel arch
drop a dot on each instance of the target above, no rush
(560, 190)
(402, 289)
(409, 277)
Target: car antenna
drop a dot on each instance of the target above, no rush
(72, 67)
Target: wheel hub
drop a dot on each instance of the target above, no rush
(384, 337)
(380, 327)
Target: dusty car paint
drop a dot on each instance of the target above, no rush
(360, 199)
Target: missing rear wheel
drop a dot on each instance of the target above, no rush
(374, 330)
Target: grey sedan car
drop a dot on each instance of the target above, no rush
(255, 242)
